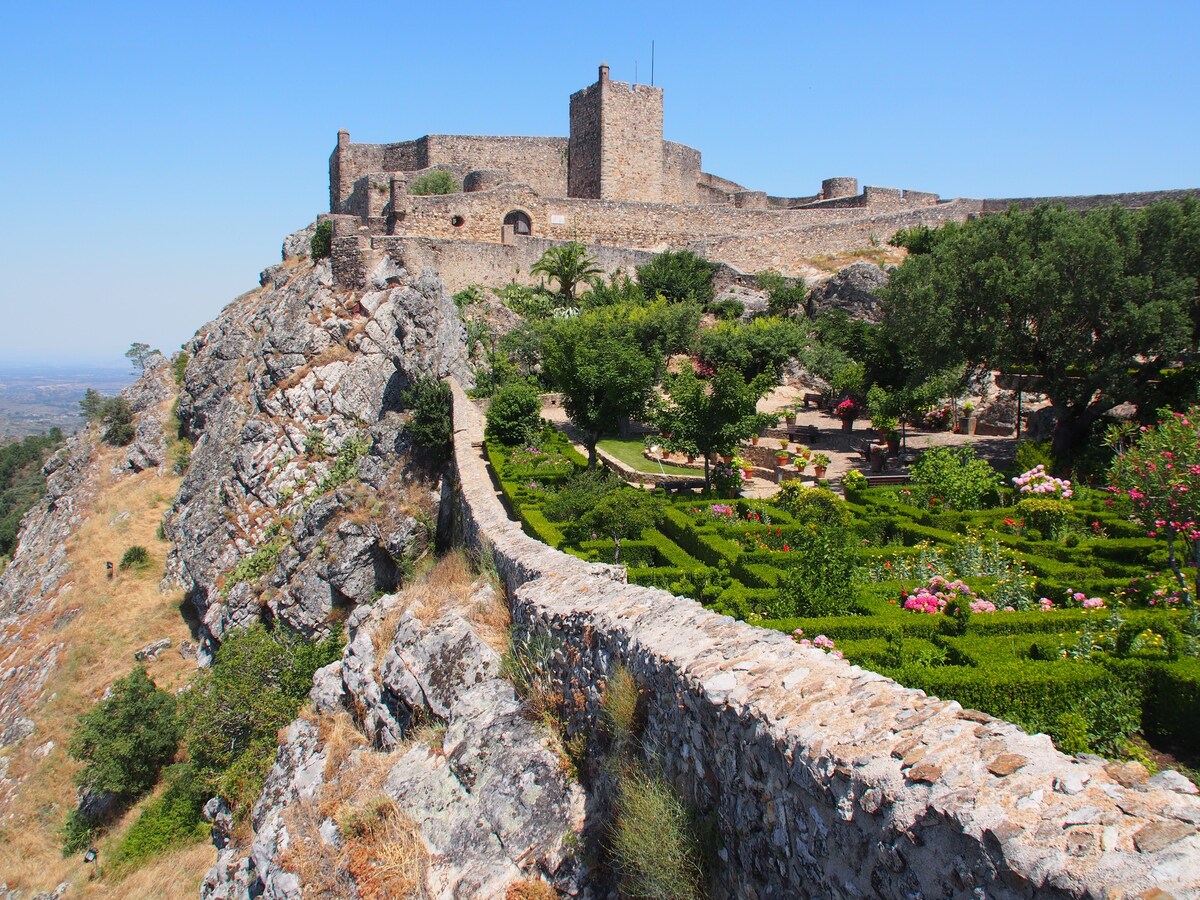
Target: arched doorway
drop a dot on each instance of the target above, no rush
(520, 222)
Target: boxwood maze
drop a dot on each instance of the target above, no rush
(1089, 677)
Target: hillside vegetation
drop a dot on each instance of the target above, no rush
(107, 621)
(22, 483)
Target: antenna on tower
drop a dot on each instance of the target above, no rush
(652, 64)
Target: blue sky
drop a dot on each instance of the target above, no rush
(153, 158)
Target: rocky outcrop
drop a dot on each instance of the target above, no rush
(293, 396)
(491, 803)
(854, 290)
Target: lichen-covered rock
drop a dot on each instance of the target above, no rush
(286, 382)
(854, 290)
(492, 804)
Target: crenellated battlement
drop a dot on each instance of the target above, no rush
(615, 182)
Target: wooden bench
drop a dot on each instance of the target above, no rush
(881, 480)
(804, 434)
(814, 398)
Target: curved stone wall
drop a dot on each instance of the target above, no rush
(827, 780)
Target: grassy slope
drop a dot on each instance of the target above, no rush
(116, 618)
(630, 453)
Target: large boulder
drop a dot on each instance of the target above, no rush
(854, 290)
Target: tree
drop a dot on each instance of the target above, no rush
(711, 415)
(568, 264)
(320, 245)
(234, 710)
(603, 375)
(754, 348)
(625, 512)
(92, 405)
(514, 416)
(679, 275)
(430, 427)
(1074, 298)
(1160, 474)
(138, 353)
(126, 739)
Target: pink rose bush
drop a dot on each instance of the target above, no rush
(820, 642)
(1038, 482)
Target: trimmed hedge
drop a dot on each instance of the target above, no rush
(1006, 664)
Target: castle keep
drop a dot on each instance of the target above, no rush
(613, 184)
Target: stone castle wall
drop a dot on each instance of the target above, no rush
(826, 780)
(464, 263)
(540, 162)
(681, 174)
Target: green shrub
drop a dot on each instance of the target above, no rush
(1048, 516)
(654, 842)
(345, 465)
(77, 832)
(315, 444)
(235, 709)
(514, 417)
(680, 276)
(125, 740)
(320, 245)
(135, 557)
(179, 365)
(439, 181)
(257, 564)
(117, 417)
(1070, 733)
(431, 426)
(727, 309)
(819, 582)
(168, 820)
(784, 296)
(954, 477)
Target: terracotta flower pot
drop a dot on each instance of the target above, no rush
(847, 424)
(819, 471)
(781, 459)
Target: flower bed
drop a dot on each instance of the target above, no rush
(1064, 627)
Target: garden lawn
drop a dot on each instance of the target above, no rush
(630, 453)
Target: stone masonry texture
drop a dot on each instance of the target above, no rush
(827, 780)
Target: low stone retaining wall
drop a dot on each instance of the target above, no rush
(827, 780)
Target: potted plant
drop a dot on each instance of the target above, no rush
(969, 419)
(887, 428)
(847, 411)
(781, 455)
(800, 461)
(820, 463)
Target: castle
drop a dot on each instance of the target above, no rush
(615, 185)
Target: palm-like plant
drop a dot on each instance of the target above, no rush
(567, 264)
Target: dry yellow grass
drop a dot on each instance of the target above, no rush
(115, 618)
(382, 852)
(883, 255)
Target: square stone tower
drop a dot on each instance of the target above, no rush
(615, 151)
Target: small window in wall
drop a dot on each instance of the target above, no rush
(458, 221)
(520, 222)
